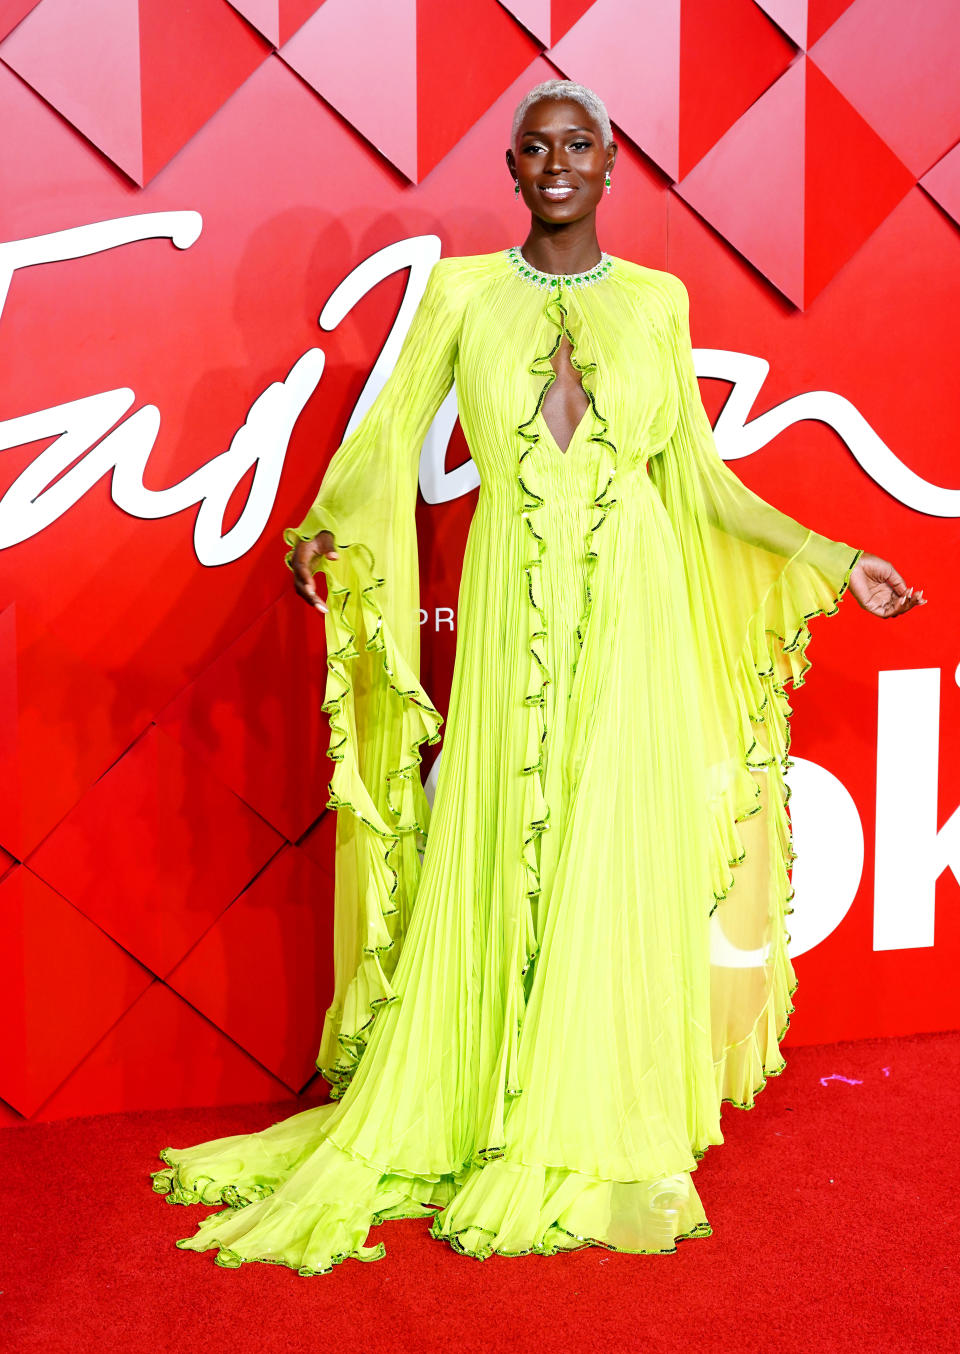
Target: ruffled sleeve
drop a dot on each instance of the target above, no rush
(755, 580)
(762, 566)
(379, 713)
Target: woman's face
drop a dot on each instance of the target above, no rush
(559, 160)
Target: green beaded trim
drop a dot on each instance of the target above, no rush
(538, 279)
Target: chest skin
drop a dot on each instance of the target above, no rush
(505, 348)
(565, 403)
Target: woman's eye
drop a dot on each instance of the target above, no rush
(575, 145)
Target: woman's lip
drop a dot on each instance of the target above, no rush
(556, 189)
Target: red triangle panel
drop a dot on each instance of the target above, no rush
(156, 850)
(161, 1054)
(255, 716)
(264, 972)
(63, 983)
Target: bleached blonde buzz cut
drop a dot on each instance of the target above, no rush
(564, 89)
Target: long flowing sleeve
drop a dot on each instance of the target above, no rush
(764, 567)
(379, 713)
(755, 578)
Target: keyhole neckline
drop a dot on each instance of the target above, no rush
(540, 279)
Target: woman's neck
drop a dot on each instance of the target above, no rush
(569, 248)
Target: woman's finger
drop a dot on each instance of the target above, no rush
(894, 579)
(304, 584)
(900, 605)
(304, 574)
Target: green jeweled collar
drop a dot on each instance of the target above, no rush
(526, 270)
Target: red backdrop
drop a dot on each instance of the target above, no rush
(183, 186)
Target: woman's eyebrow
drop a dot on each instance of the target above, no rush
(566, 129)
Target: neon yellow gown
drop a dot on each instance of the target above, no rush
(542, 1000)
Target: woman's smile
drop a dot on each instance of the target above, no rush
(557, 192)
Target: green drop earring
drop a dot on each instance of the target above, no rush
(608, 180)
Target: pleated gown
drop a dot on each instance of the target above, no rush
(545, 988)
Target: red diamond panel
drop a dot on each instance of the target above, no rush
(897, 63)
(320, 843)
(11, 12)
(410, 48)
(482, 41)
(804, 20)
(9, 1117)
(48, 755)
(798, 183)
(387, 38)
(132, 1069)
(155, 851)
(276, 20)
(853, 182)
(719, 55)
(547, 20)
(63, 983)
(729, 54)
(255, 715)
(942, 182)
(750, 185)
(264, 972)
(640, 81)
(146, 82)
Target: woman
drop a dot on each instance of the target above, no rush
(534, 1027)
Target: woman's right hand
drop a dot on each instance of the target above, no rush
(304, 579)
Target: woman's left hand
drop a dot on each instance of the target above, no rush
(879, 588)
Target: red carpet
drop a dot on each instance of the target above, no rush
(833, 1207)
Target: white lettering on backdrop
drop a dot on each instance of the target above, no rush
(93, 438)
(911, 854)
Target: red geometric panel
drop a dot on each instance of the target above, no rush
(276, 20)
(387, 37)
(898, 64)
(681, 76)
(639, 80)
(254, 714)
(11, 12)
(264, 972)
(479, 39)
(320, 843)
(804, 20)
(61, 725)
(9, 1116)
(547, 20)
(410, 50)
(152, 73)
(155, 851)
(798, 183)
(133, 1069)
(942, 182)
(729, 54)
(63, 983)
